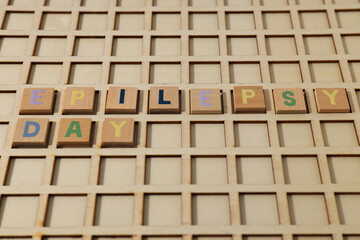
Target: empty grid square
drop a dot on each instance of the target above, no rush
(165, 46)
(71, 171)
(212, 238)
(10, 73)
(129, 21)
(344, 169)
(114, 210)
(308, 209)
(251, 134)
(163, 135)
(351, 45)
(55, 21)
(240, 21)
(301, 170)
(24, 171)
(339, 134)
(204, 46)
(127, 46)
(160, 238)
(163, 170)
(130, 3)
(202, 3)
(95, 3)
(45, 73)
(279, 46)
(296, 134)
(166, 21)
(285, 73)
(167, 3)
(117, 171)
(59, 3)
(18, 21)
(23, 2)
(92, 21)
(125, 73)
(348, 208)
(242, 46)
(273, 2)
(268, 237)
(277, 20)
(314, 20)
(203, 21)
(18, 211)
(66, 211)
(7, 101)
(207, 135)
(325, 72)
(208, 170)
(254, 170)
(245, 73)
(85, 73)
(258, 209)
(3, 130)
(346, 1)
(210, 210)
(355, 71)
(162, 210)
(205, 73)
(238, 3)
(319, 45)
(165, 73)
(50, 46)
(310, 2)
(13, 46)
(348, 19)
(89, 47)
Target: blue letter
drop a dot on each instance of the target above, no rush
(161, 97)
(27, 126)
(122, 96)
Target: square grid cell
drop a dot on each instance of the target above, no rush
(214, 172)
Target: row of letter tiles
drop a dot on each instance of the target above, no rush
(246, 99)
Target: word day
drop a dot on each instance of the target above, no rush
(119, 132)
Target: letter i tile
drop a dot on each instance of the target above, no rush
(118, 132)
(31, 132)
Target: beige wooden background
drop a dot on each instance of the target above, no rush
(205, 177)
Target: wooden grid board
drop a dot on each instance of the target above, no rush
(206, 177)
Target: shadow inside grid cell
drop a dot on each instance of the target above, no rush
(10, 73)
(207, 135)
(245, 73)
(71, 171)
(298, 134)
(18, 21)
(344, 169)
(301, 170)
(117, 171)
(163, 170)
(127, 73)
(240, 21)
(45, 74)
(208, 170)
(254, 170)
(92, 21)
(25, 171)
(210, 210)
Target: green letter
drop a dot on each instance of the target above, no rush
(77, 130)
(291, 101)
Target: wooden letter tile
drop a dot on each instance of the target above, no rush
(205, 101)
(31, 132)
(37, 101)
(118, 132)
(79, 100)
(331, 100)
(122, 100)
(289, 100)
(249, 99)
(74, 132)
(164, 100)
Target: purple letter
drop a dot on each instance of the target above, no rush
(203, 98)
(34, 97)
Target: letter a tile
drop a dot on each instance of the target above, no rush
(332, 100)
(289, 100)
(164, 100)
(37, 101)
(78, 100)
(31, 132)
(118, 132)
(74, 132)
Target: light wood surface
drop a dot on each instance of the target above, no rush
(233, 175)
